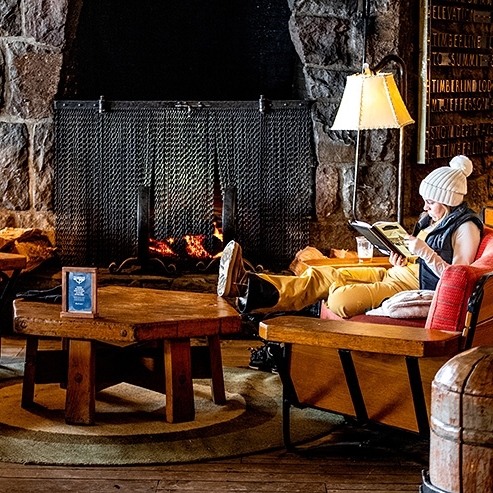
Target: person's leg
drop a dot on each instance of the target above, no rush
(277, 293)
(268, 293)
(355, 298)
(352, 290)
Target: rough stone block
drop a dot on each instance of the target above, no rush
(45, 221)
(324, 41)
(2, 78)
(14, 172)
(332, 232)
(387, 30)
(323, 8)
(322, 83)
(380, 145)
(43, 160)
(329, 151)
(326, 191)
(10, 18)
(7, 219)
(45, 21)
(477, 190)
(34, 73)
(377, 199)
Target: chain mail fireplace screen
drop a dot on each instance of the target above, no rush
(105, 151)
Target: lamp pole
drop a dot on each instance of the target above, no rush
(403, 90)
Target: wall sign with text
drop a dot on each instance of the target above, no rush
(459, 80)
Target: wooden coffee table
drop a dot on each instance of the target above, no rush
(142, 336)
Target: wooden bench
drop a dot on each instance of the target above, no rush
(382, 372)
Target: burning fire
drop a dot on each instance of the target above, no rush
(162, 248)
(194, 246)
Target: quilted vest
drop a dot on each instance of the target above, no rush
(440, 239)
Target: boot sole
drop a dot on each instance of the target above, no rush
(227, 270)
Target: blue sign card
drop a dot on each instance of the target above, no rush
(79, 292)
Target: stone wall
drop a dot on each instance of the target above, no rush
(329, 38)
(32, 39)
(35, 40)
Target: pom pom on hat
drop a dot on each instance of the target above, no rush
(448, 184)
(461, 163)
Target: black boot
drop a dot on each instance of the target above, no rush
(260, 294)
(52, 295)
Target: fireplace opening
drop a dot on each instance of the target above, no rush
(190, 253)
(182, 114)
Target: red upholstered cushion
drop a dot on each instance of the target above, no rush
(486, 245)
(328, 314)
(449, 307)
(373, 319)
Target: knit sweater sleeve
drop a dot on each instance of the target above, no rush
(465, 243)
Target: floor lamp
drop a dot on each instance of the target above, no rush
(371, 100)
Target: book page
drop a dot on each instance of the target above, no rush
(396, 234)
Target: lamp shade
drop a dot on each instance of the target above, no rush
(371, 101)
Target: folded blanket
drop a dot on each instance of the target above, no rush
(407, 304)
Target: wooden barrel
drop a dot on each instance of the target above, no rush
(461, 440)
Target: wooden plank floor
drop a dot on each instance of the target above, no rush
(392, 462)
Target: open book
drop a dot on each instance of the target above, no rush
(386, 236)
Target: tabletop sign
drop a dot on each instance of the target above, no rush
(79, 292)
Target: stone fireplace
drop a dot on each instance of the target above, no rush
(284, 49)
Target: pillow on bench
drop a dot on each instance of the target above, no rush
(407, 304)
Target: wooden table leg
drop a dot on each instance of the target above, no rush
(27, 399)
(9, 282)
(80, 401)
(179, 386)
(217, 377)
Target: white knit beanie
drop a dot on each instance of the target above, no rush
(447, 185)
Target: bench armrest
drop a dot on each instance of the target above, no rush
(357, 336)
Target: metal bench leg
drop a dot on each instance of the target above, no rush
(353, 385)
(281, 354)
(418, 396)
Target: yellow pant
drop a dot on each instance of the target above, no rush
(347, 291)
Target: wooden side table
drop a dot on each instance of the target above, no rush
(135, 324)
(11, 266)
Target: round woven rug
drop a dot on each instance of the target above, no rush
(130, 427)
